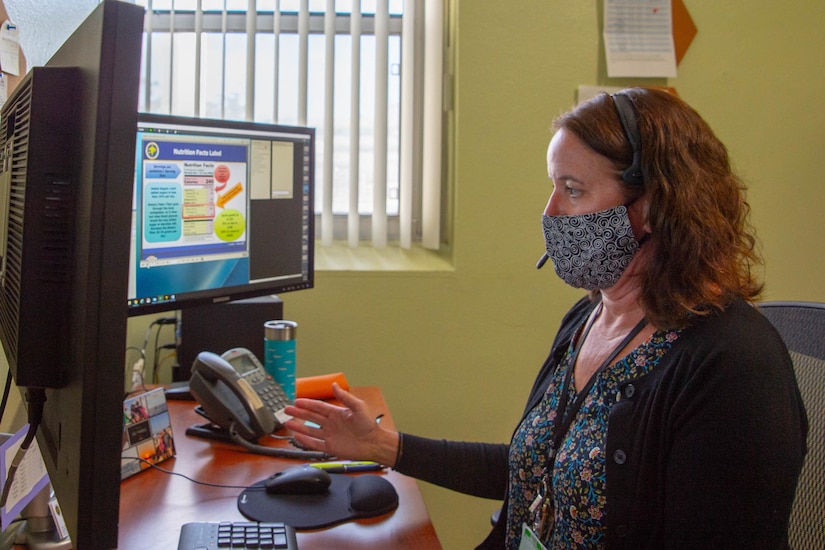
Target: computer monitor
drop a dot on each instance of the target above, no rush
(67, 147)
(223, 210)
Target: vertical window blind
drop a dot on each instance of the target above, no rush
(367, 74)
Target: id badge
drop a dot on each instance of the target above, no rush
(529, 540)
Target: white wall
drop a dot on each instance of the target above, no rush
(46, 24)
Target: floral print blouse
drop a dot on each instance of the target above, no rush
(578, 472)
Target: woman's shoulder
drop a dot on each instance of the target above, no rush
(734, 348)
(739, 321)
(740, 331)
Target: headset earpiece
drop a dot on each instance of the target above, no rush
(627, 114)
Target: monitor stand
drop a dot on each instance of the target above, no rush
(37, 530)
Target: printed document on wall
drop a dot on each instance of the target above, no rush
(10, 48)
(638, 38)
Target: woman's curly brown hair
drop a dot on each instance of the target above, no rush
(703, 247)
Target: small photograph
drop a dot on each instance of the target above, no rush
(135, 410)
(155, 403)
(147, 432)
(164, 445)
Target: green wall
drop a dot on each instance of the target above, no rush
(455, 351)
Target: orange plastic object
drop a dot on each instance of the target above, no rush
(319, 387)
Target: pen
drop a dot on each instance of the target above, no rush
(348, 467)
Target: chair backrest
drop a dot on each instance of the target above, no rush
(802, 327)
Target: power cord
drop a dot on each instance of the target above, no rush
(6, 391)
(138, 383)
(158, 361)
(164, 321)
(139, 367)
(186, 477)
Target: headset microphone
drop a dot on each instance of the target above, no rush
(542, 261)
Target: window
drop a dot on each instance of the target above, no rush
(367, 74)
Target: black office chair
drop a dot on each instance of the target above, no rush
(802, 326)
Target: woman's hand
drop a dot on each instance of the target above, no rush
(348, 432)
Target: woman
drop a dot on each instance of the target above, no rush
(667, 413)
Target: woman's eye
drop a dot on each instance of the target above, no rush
(569, 188)
(572, 191)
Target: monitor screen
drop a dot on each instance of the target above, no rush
(222, 210)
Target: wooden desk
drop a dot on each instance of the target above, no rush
(154, 505)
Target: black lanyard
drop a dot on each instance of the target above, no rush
(562, 414)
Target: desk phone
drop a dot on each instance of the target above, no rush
(234, 389)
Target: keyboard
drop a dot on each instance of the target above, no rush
(237, 535)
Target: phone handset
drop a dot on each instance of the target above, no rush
(229, 399)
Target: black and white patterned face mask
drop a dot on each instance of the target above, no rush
(590, 251)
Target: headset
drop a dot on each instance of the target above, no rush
(627, 115)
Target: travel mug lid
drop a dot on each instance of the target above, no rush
(280, 330)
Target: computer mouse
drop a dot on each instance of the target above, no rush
(300, 480)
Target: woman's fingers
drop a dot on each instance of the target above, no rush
(301, 427)
(348, 400)
(315, 406)
(343, 431)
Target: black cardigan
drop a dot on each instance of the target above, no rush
(703, 452)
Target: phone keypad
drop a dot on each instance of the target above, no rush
(272, 395)
(268, 390)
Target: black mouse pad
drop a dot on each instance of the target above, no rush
(348, 498)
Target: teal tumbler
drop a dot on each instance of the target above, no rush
(279, 354)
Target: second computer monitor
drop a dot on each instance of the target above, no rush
(223, 210)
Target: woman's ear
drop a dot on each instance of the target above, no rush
(646, 213)
(639, 215)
